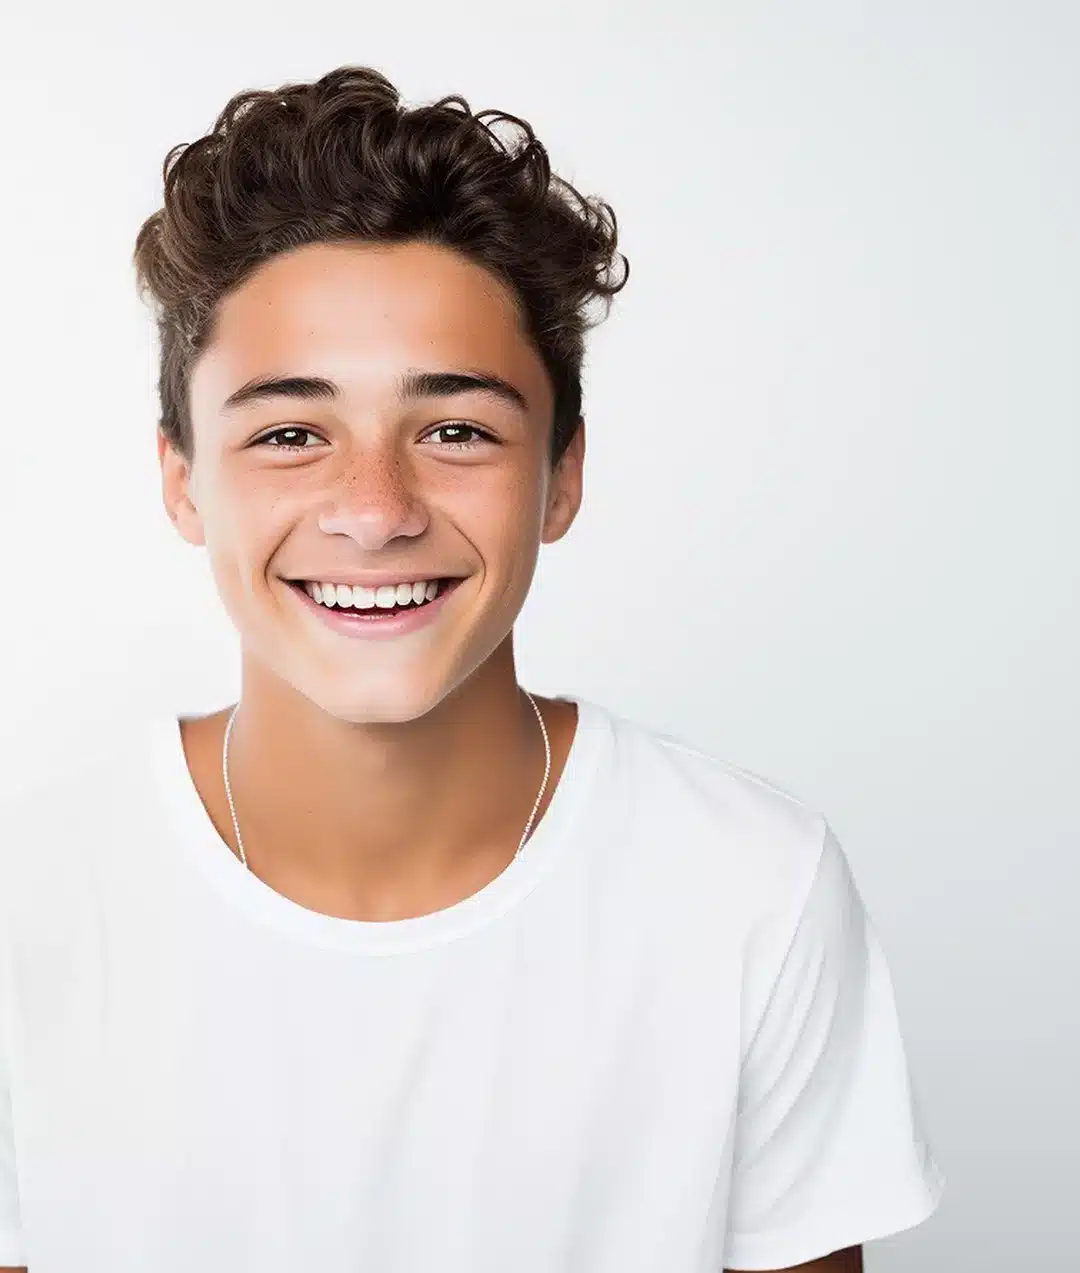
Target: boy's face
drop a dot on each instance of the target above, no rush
(375, 485)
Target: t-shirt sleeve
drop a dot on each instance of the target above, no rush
(830, 1150)
(11, 1244)
(11, 1247)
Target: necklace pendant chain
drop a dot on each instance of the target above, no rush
(528, 825)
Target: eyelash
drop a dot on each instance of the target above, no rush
(295, 428)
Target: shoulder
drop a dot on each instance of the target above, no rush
(705, 822)
(87, 771)
(60, 827)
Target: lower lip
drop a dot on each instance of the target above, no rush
(376, 625)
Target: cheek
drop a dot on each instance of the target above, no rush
(246, 521)
(502, 517)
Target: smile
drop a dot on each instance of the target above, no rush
(342, 596)
(387, 611)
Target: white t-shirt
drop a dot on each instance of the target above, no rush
(663, 1039)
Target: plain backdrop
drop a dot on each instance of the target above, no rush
(830, 526)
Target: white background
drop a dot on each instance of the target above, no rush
(830, 525)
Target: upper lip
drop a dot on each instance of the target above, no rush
(373, 578)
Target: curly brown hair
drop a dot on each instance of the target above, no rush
(342, 159)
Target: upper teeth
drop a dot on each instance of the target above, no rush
(341, 594)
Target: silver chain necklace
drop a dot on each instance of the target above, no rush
(528, 825)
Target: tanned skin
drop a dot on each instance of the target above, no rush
(393, 778)
(849, 1260)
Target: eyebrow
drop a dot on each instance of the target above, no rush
(412, 385)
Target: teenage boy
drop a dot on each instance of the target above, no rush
(393, 965)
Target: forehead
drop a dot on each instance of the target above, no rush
(359, 313)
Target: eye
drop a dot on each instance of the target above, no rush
(458, 444)
(295, 430)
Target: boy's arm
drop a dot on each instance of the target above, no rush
(849, 1260)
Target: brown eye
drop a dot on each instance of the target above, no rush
(458, 443)
(292, 430)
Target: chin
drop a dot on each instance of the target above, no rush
(396, 701)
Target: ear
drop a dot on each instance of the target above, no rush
(564, 497)
(175, 479)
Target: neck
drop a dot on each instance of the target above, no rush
(381, 819)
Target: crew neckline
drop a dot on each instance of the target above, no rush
(199, 843)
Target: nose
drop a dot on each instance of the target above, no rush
(375, 503)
